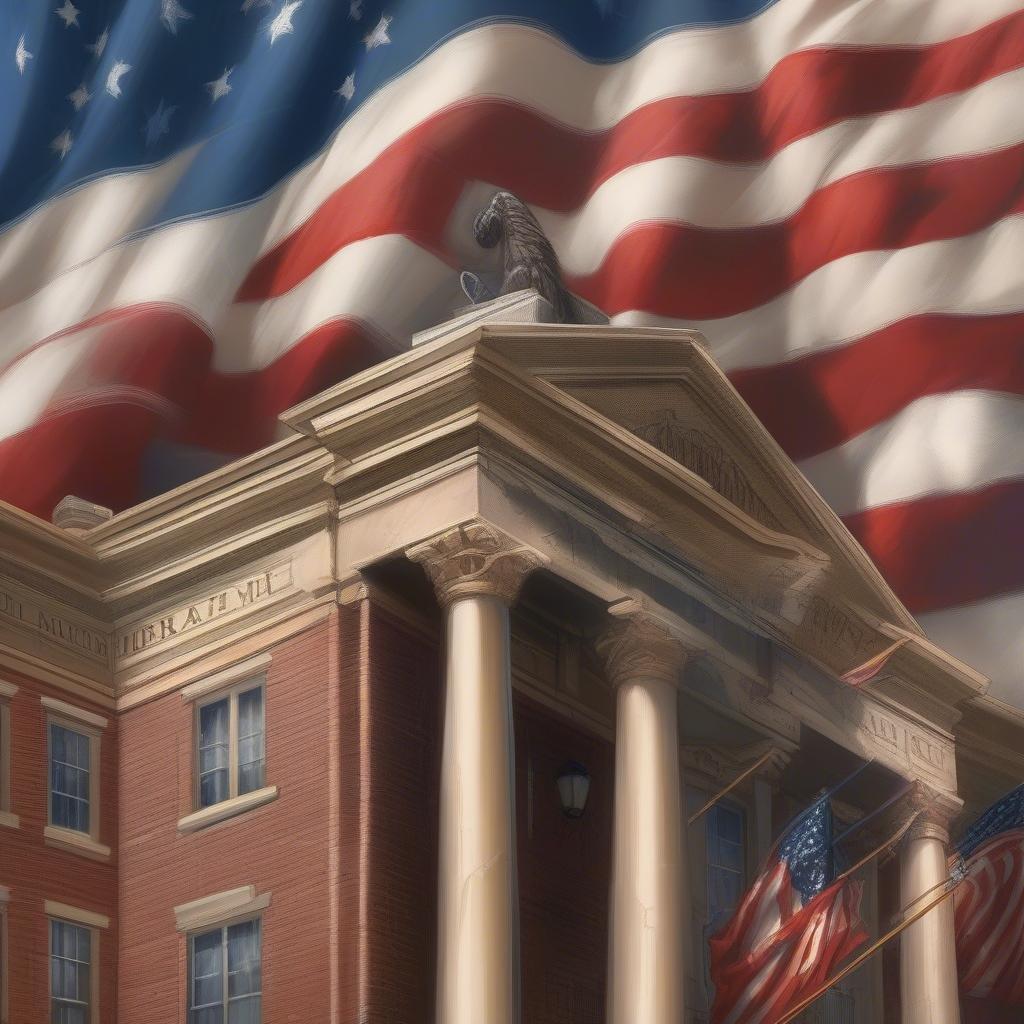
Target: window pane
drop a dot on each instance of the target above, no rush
(250, 740)
(245, 1011)
(207, 991)
(70, 957)
(69, 779)
(730, 825)
(213, 753)
(244, 959)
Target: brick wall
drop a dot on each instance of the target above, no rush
(282, 847)
(35, 872)
(564, 870)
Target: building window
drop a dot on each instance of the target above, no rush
(71, 973)
(70, 778)
(225, 984)
(230, 745)
(6, 817)
(725, 863)
(73, 778)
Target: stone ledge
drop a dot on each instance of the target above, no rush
(227, 809)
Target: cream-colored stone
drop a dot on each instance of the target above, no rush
(649, 900)
(929, 993)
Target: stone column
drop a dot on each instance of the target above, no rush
(649, 900)
(477, 572)
(929, 992)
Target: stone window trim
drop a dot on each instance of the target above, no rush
(237, 679)
(220, 909)
(226, 680)
(95, 923)
(8, 819)
(85, 723)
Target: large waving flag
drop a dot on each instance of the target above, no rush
(989, 905)
(211, 210)
(792, 929)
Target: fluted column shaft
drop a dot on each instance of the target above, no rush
(477, 572)
(929, 991)
(649, 901)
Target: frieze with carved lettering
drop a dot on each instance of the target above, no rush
(227, 602)
(43, 622)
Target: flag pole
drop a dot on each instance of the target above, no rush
(728, 789)
(898, 795)
(888, 844)
(870, 951)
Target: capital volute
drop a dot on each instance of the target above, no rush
(935, 813)
(640, 644)
(476, 558)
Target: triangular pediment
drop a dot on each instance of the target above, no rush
(664, 388)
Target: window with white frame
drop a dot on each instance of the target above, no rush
(230, 744)
(72, 973)
(71, 777)
(225, 967)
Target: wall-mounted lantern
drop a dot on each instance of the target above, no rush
(573, 787)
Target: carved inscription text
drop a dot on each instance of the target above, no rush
(237, 597)
(55, 629)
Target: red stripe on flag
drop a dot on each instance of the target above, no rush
(813, 404)
(411, 187)
(950, 549)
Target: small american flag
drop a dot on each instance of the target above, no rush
(990, 904)
(794, 926)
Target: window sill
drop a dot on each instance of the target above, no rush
(75, 842)
(227, 809)
(8, 820)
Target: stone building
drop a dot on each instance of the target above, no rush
(298, 741)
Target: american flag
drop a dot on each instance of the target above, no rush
(989, 904)
(792, 929)
(211, 210)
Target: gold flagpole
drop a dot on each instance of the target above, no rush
(728, 789)
(870, 951)
(890, 842)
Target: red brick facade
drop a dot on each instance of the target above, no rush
(35, 872)
(347, 850)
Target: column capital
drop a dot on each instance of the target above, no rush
(476, 558)
(935, 813)
(639, 643)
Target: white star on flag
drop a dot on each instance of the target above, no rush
(62, 144)
(219, 86)
(379, 36)
(158, 123)
(347, 89)
(68, 14)
(282, 23)
(171, 12)
(119, 70)
(97, 48)
(80, 96)
(22, 56)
